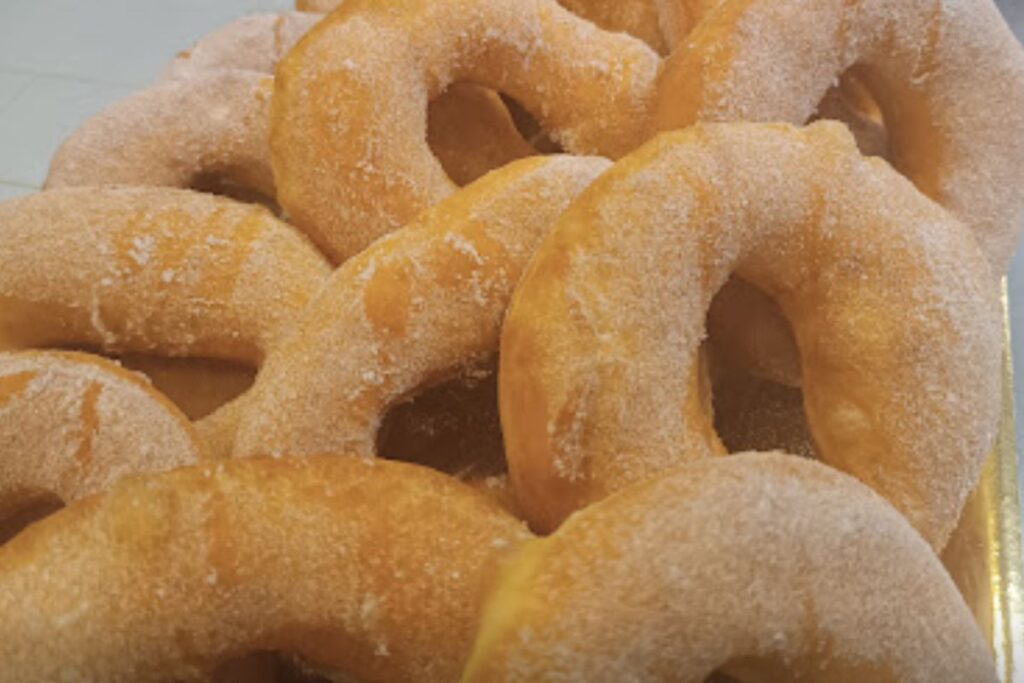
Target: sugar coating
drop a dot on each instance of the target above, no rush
(72, 424)
(174, 134)
(947, 74)
(366, 570)
(150, 270)
(894, 309)
(766, 566)
(409, 311)
(348, 134)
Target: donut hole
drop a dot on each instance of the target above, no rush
(452, 427)
(222, 185)
(32, 507)
(530, 128)
(753, 373)
(264, 667)
(198, 386)
(472, 130)
(852, 102)
(757, 414)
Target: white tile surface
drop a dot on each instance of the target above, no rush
(122, 42)
(11, 86)
(38, 120)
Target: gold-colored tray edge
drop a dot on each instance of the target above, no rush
(1002, 491)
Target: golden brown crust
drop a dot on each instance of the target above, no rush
(349, 113)
(176, 133)
(71, 424)
(900, 355)
(948, 76)
(409, 311)
(764, 565)
(158, 270)
(373, 570)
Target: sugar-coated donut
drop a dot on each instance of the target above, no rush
(150, 270)
(167, 577)
(893, 305)
(205, 125)
(178, 133)
(948, 77)
(153, 271)
(469, 128)
(349, 114)
(407, 312)
(764, 566)
(71, 424)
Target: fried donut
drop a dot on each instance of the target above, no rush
(948, 77)
(469, 128)
(71, 424)
(765, 566)
(407, 312)
(181, 133)
(150, 270)
(350, 102)
(894, 309)
(168, 577)
(163, 272)
(206, 125)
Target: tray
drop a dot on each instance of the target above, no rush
(984, 553)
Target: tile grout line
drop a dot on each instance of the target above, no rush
(21, 185)
(87, 80)
(18, 92)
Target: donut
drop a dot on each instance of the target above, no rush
(894, 309)
(469, 128)
(155, 271)
(71, 424)
(205, 125)
(349, 111)
(171, 577)
(409, 311)
(947, 76)
(207, 129)
(150, 270)
(762, 566)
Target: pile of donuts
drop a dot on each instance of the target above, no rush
(481, 340)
